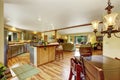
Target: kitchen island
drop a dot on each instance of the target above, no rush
(43, 54)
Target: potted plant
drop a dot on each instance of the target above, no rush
(2, 69)
(44, 43)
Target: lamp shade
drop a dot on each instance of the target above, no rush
(95, 24)
(105, 26)
(110, 19)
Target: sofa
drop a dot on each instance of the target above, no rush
(68, 47)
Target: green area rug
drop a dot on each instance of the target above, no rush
(25, 71)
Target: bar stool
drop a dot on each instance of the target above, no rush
(59, 52)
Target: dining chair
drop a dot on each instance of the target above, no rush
(75, 70)
(85, 51)
(92, 72)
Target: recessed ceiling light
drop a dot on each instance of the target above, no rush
(39, 18)
(52, 26)
(8, 19)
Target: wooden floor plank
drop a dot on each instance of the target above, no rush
(56, 70)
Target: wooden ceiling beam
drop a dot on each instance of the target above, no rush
(76, 26)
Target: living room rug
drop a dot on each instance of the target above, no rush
(25, 71)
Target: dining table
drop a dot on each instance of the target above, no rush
(110, 66)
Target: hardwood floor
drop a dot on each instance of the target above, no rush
(56, 70)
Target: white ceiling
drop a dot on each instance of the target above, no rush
(55, 14)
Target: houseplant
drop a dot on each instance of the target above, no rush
(2, 69)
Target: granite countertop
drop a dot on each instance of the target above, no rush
(45, 45)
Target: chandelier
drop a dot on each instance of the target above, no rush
(109, 22)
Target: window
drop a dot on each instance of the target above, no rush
(80, 39)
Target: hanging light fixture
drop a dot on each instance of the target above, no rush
(109, 22)
(95, 24)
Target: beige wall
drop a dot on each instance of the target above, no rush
(58, 35)
(111, 47)
(1, 33)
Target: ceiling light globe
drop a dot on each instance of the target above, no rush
(95, 24)
(110, 19)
